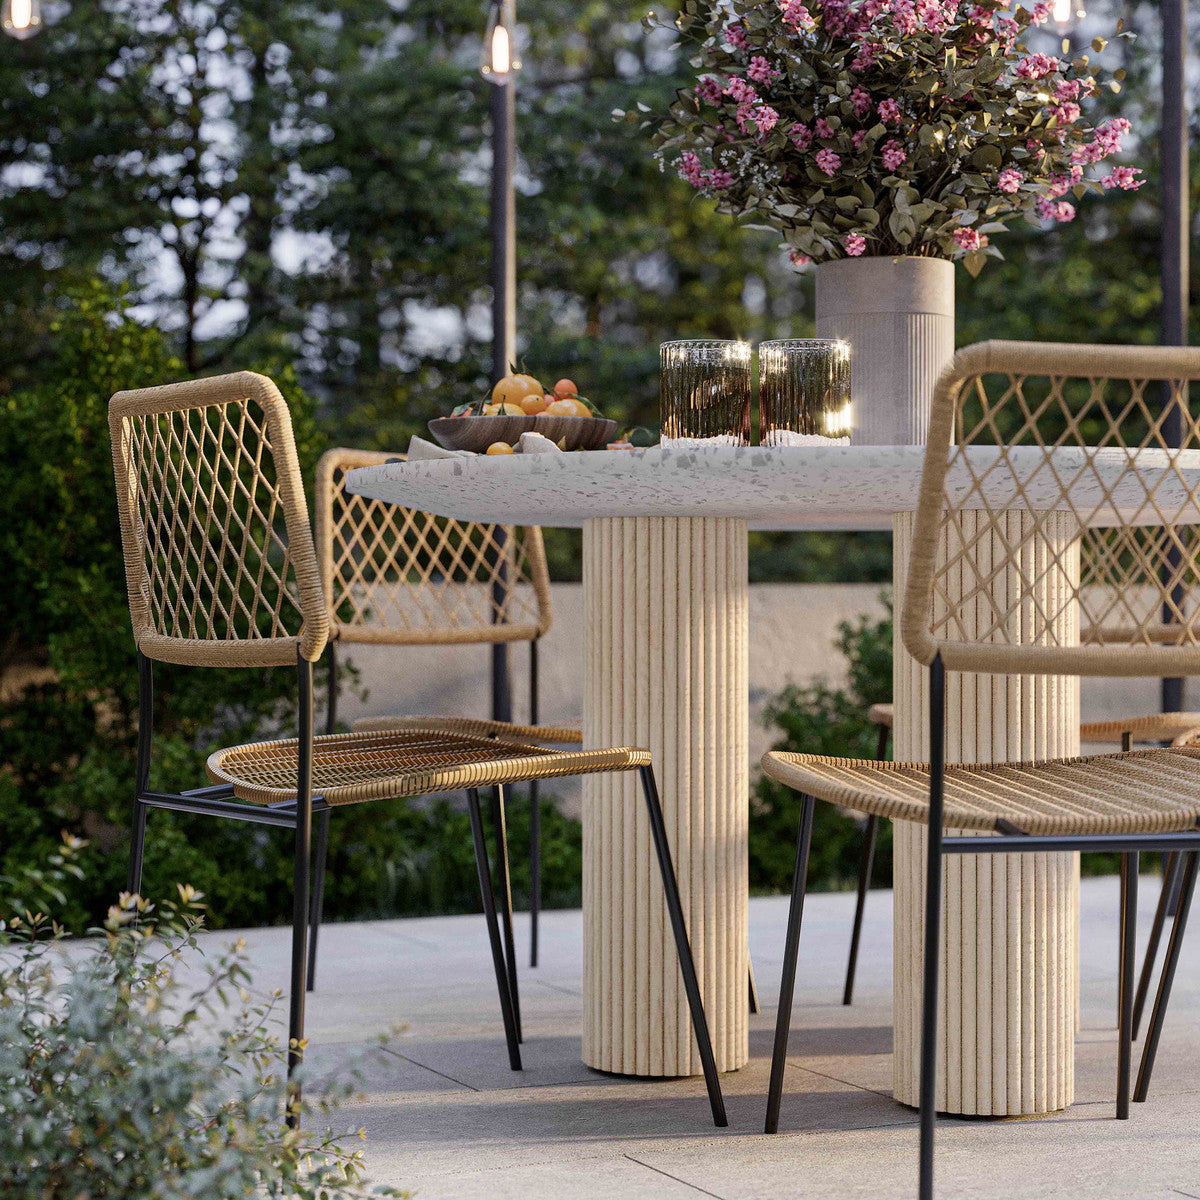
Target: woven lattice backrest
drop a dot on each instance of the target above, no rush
(219, 557)
(401, 576)
(1057, 525)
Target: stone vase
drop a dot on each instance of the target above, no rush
(898, 316)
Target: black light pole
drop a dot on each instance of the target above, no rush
(1175, 222)
(499, 64)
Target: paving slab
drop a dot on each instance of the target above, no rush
(445, 1117)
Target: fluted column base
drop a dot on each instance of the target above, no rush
(665, 612)
(1008, 984)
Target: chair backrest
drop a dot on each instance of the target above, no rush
(1056, 531)
(404, 577)
(219, 558)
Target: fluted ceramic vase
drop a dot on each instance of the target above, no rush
(898, 316)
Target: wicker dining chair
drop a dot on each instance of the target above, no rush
(1075, 438)
(1158, 729)
(397, 576)
(222, 571)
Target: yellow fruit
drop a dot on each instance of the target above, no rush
(532, 405)
(503, 410)
(499, 448)
(581, 409)
(512, 389)
(562, 408)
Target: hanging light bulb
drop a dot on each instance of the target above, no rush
(21, 18)
(499, 54)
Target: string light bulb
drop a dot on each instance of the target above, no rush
(21, 19)
(499, 53)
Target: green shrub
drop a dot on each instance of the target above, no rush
(67, 664)
(117, 1079)
(815, 718)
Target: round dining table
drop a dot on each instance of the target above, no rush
(665, 667)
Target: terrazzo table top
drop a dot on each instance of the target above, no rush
(792, 487)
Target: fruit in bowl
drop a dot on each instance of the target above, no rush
(519, 404)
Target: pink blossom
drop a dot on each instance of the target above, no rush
(1125, 178)
(690, 169)
(801, 136)
(828, 161)
(708, 89)
(796, 14)
(823, 129)
(1009, 180)
(969, 239)
(739, 90)
(858, 137)
(1037, 66)
(765, 117)
(1039, 14)
(933, 15)
(864, 60)
(893, 155)
(904, 17)
(854, 244)
(861, 99)
(735, 35)
(1055, 210)
(718, 180)
(1068, 89)
(1060, 185)
(1066, 114)
(760, 70)
(889, 111)
(1109, 134)
(797, 259)
(743, 115)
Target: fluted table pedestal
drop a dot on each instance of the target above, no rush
(665, 667)
(1006, 1029)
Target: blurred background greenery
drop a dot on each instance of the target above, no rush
(301, 187)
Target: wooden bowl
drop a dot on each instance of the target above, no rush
(478, 433)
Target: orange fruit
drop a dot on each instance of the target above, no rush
(499, 448)
(532, 405)
(564, 387)
(512, 389)
(562, 408)
(581, 408)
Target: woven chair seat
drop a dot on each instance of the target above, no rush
(882, 714)
(349, 768)
(1143, 791)
(474, 727)
(1177, 728)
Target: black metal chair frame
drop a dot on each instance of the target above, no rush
(317, 908)
(219, 801)
(1011, 841)
(1173, 867)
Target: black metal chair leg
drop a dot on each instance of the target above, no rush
(488, 896)
(933, 925)
(865, 864)
(753, 988)
(1171, 871)
(864, 882)
(141, 782)
(317, 907)
(1129, 886)
(535, 821)
(301, 869)
(687, 966)
(1161, 1000)
(504, 889)
(787, 983)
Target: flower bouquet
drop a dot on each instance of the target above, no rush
(886, 127)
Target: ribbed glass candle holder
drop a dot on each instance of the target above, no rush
(704, 390)
(803, 388)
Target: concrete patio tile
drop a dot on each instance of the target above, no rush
(447, 1118)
